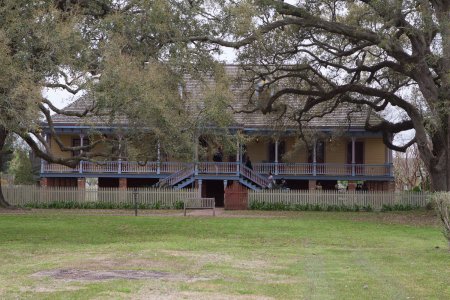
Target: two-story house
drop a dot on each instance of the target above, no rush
(338, 149)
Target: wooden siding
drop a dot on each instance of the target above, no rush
(374, 151)
(258, 151)
(335, 151)
(295, 152)
(67, 141)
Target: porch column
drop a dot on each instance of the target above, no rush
(81, 152)
(314, 157)
(158, 153)
(119, 165)
(44, 182)
(238, 148)
(196, 154)
(43, 162)
(390, 162)
(276, 157)
(200, 183)
(81, 183)
(225, 183)
(351, 187)
(311, 185)
(123, 183)
(353, 155)
(196, 148)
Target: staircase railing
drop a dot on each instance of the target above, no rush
(177, 177)
(254, 177)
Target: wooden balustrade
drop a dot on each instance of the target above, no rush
(177, 177)
(287, 169)
(255, 177)
(217, 167)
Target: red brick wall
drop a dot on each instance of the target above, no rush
(122, 183)
(236, 197)
(44, 182)
(378, 186)
(81, 183)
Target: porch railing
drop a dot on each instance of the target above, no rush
(224, 168)
(327, 169)
(217, 168)
(255, 177)
(177, 177)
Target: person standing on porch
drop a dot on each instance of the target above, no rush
(248, 163)
(218, 157)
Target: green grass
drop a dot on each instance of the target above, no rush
(309, 255)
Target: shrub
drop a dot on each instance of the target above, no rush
(100, 205)
(442, 203)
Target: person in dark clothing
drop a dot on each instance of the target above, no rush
(218, 157)
(248, 163)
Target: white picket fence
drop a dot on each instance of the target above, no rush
(111, 197)
(325, 199)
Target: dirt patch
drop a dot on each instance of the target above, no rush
(98, 275)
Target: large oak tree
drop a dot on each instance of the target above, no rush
(388, 57)
(128, 57)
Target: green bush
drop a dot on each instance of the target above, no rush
(100, 205)
(258, 205)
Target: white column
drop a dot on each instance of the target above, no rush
(390, 160)
(238, 148)
(314, 157)
(158, 153)
(200, 183)
(353, 155)
(81, 152)
(276, 157)
(119, 166)
(225, 183)
(196, 148)
(47, 139)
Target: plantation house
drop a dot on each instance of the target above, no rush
(337, 148)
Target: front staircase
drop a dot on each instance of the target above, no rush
(247, 177)
(178, 179)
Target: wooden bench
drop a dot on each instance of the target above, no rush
(199, 203)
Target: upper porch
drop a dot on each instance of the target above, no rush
(222, 169)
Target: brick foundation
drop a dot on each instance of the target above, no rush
(122, 184)
(44, 182)
(351, 187)
(236, 197)
(381, 186)
(81, 183)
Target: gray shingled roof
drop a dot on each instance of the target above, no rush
(194, 92)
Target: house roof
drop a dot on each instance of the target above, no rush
(243, 98)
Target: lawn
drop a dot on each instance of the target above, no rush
(252, 255)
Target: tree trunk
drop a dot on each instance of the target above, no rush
(3, 135)
(439, 179)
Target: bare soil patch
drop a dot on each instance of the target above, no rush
(99, 275)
